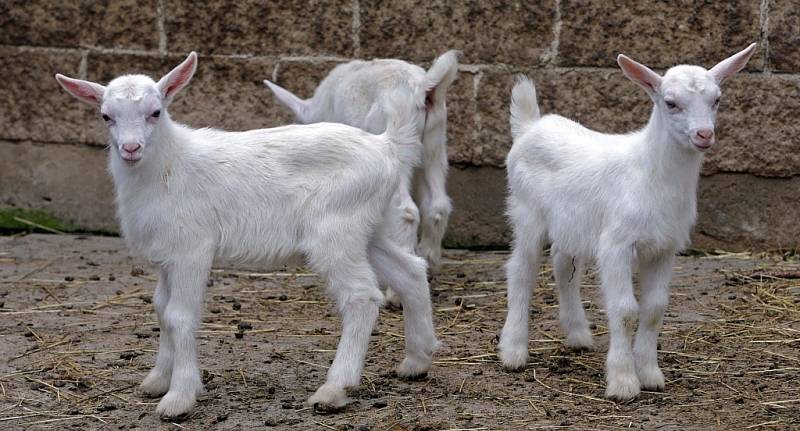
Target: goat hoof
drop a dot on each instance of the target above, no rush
(514, 359)
(622, 387)
(326, 409)
(651, 378)
(414, 369)
(580, 341)
(175, 404)
(393, 300)
(328, 399)
(155, 384)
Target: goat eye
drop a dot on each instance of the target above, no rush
(670, 104)
(156, 113)
(106, 117)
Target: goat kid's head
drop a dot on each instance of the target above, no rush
(132, 106)
(687, 97)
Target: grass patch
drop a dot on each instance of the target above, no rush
(16, 220)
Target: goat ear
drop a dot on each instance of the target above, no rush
(296, 104)
(85, 91)
(639, 73)
(728, 67)
(171, 83)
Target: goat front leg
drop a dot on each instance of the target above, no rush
(622, 310)
(434, 206)
(187, 277)
(406, 223)
(157, 381)
(654, 278)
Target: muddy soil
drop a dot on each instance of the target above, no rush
(78, 333)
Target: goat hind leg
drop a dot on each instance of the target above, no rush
(567, 271)
(406, 274)
(358, 299)
(405, 219)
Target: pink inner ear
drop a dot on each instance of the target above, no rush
(82, 90)
(179, 80)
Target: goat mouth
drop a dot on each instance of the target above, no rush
(131, 159)
(703, 147)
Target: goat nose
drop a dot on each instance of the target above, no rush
(705, 134)
(131, 148)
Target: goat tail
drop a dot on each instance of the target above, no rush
(524, 106)
(403, 114)
(438, 78)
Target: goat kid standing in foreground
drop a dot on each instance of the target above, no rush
(620, 199)
(354, 94)
(189, 196)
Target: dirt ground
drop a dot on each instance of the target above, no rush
(77, 334)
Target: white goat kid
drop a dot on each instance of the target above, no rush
(620, 199)
(189, 196)
(353, 93)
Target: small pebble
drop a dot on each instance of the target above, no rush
(106, 408)
(283, 298)
(237, 306)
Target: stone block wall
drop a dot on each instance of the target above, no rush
(52, 154)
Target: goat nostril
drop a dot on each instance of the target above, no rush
(705, 134)
(131, 148)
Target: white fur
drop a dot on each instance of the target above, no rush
(353, 94)
(623, 200)
(320, 191)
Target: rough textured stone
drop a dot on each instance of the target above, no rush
(68, 181)
(487, 32)
(784, 36)
(462, 132)
(32, 104)
(129, 24)
(758, 127)
(110, 24)
(48, 23)
(478, 218)
(261, 27)
(593, 33)
(741, 212)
